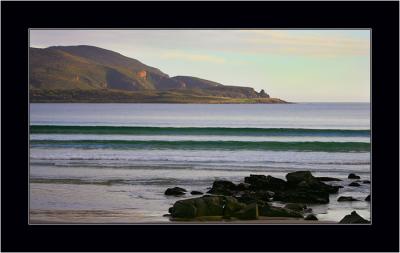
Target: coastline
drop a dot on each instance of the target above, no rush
(146, 97)
(215, 102)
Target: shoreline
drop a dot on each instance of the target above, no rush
(166, 102)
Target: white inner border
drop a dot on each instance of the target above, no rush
(212, 224)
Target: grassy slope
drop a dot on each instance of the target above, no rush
(56, 69)
(91, 74)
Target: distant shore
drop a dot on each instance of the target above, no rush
(162, 101)
(148, 96)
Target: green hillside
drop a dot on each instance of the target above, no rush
(92, 74)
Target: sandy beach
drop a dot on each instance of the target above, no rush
(69, 219)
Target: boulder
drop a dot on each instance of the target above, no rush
(295, 178)
(311, 217)
(273, 211)
(232, 206)
(353, 176)
(303, 196)
(176, 191)
(305, 180)
(262, 182)
(249, 212)
(223, 187)
(368, 198)
(210, 206)
(353, 218)
(184, 209)
(243, 187)
(327, 179)
(203, 206)
(296, 207)
(354, 184)
(346, 198)
(196, 193)
(249, 197)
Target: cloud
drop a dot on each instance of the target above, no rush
(312, 43)
(180, 55)
(309, 43)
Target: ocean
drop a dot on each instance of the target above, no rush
(107, 163)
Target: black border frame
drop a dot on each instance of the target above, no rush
(381, 17)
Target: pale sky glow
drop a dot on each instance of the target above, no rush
(294, 65)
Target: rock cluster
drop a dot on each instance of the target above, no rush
(300, 187)
(227, 207)
(251, 199)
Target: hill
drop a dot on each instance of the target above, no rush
(92, 74)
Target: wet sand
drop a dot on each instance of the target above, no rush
(129, 218)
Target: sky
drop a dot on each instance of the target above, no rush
(294, 65)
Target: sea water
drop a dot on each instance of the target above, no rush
(113, 162)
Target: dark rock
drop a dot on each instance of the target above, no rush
(249, 212)
(210, 206)
(311, 217)
(346, 198)
(243, 187)
(203, 206)
(366, 182)
(296, 207)
(223, 187)
(196, 193)
(232, 206)
(176, 191)
(368, 198)
(299, 176)
(254, 179)
(353, 218)
(354, 184)
(255, 196)
(303, 196)
(315, 185)
(273, 211)
(327, 179)
(305, 180)
(353, 176)
(262, 182)
(184, 209)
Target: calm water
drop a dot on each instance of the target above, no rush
(112, 162)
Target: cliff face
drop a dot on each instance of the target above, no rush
(142, 74)
(86, 68)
